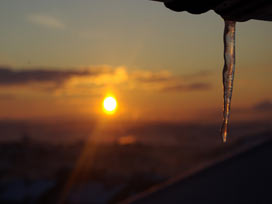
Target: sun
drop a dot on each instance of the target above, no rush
(109, 104)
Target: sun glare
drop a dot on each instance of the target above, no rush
(109, 105)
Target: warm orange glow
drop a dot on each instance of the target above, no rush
(109, 105)
(126, 140)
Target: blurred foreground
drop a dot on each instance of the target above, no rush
(73, 162)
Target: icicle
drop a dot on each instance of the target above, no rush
(228, 73)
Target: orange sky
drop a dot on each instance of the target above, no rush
(59, 61)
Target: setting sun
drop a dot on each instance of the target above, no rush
(109, 105)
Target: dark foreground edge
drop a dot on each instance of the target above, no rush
(243, 178)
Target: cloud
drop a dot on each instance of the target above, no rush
(90, 80)
(188, 87)
(265, 105)
(46, 20)
(10, 77)
(164, 81)
(60, 82)
(199, 74)
(151, 77)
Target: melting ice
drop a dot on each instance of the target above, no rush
(228, 73)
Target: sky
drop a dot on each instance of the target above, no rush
(61, 58)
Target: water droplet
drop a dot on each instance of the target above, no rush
(228, 73)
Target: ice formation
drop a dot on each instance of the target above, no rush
(228, 73)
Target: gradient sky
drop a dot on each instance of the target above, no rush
(62, 57)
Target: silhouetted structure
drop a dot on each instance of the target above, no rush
(245, 178)
(235, 10)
